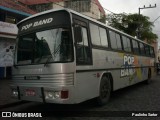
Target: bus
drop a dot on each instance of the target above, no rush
(65, 57)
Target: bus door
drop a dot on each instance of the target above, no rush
(83, 49)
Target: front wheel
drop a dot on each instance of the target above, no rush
(104, 91)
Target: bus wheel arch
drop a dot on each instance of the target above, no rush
(105, 89)
(109, 75)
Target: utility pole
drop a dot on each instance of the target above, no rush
(139, 16)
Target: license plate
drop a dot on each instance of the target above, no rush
(30, 92)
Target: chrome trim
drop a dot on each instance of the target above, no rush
(45, 80)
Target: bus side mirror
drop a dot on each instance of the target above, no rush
(78, 34)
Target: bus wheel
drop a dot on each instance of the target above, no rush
(148, 81)
(104, 91)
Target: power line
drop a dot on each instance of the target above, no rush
(156, 19)
(110, 11)
(105, 8)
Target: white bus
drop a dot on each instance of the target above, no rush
(66, 58)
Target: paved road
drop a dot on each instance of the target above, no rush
(5, 93)
(140, 97)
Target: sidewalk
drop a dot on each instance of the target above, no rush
(5, 93)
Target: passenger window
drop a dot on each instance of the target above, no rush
(98, 35)
(147, 50)
(115, 40)
(135, 46)
(95, 34)
(103, 35)
(118, 38)
(152, 51)
(126, 44)
(142, 48)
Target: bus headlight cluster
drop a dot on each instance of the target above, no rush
(64, 94)
(52, 94)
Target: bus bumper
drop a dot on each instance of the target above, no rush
(60, 95)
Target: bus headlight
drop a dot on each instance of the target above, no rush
(14, 93)
(56, 94)
(52, 94)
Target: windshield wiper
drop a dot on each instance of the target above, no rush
(54, 53)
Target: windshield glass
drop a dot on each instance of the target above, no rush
(46, 46)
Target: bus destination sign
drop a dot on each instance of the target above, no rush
(37, 23)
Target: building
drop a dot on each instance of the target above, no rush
(11, 12)
(91, 8)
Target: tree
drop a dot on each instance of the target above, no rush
(129, 23)
(103, 19)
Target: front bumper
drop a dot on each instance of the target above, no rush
(60, 95)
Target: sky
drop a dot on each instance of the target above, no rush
(131, 6)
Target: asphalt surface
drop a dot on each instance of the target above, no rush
(139, 98)
(5, 93)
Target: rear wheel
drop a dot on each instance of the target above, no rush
(104, 91)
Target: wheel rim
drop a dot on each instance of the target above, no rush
(105, 90)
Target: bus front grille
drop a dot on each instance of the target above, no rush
(43, 80)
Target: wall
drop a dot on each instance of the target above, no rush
(7, 46)
(94, 10)
(58, 5)
(8, 33)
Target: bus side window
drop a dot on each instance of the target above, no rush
(147, 50)
(152, 52)
(135, 46)
(142, 48)
(95, 36)
(126, 44)
(103, 36)
(83, 54)
(115, 40)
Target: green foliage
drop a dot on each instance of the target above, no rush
(103, 19)
(130, 23)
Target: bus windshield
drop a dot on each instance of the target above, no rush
(49, 46)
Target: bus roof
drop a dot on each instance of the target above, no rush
(81, 15)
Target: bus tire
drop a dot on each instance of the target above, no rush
(104, 91)
(148, 81)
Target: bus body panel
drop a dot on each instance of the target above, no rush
(110, 62)
(123, 74)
